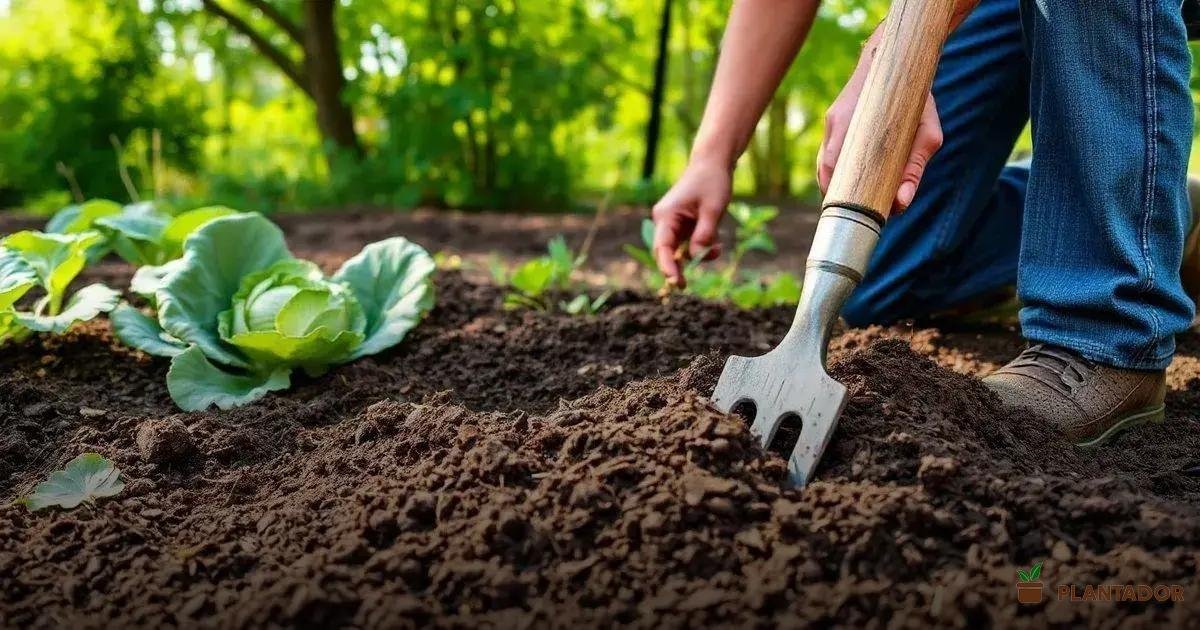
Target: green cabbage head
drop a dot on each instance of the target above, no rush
(238, 313)
(289, 314)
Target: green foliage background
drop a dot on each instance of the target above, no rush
(521, 104)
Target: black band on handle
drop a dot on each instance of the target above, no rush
(841, 270)
(854, 207)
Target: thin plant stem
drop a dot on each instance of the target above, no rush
(129, 187)
(69, 174)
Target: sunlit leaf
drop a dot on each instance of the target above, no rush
(84, 479)
(84, 305)
(196, 384)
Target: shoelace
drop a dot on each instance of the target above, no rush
(1072, 369)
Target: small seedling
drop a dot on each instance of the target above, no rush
(644, 255)
(84, 479)
(447, 261)
(50, 262)
(729, 282)
(1031, 575)
(534, 283)
(583, 304)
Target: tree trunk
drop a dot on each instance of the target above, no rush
(654, 127)
(323, 65)
(779, 167)
(320, 76)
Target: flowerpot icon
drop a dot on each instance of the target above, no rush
(1029, 592)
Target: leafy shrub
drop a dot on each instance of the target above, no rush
(32, 260)
(237, 313)
(730, 282)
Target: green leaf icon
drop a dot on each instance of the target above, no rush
(85, 478)
(1032, 574)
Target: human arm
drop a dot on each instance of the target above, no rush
(761, 40)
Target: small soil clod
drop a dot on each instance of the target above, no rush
(165, 441)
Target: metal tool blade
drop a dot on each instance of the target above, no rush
(792, 379)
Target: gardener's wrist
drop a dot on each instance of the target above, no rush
(713, 154)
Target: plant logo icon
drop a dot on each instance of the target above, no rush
(1029, 585)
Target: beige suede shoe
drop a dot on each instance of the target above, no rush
(1088, 401)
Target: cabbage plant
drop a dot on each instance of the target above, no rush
(238, 313)
(140, 233)
(31, 261)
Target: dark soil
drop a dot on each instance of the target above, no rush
(515, 468)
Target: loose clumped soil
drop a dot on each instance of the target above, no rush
(518, 468)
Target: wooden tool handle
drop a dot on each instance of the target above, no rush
(871, 164)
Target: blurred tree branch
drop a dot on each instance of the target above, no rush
(286, 64)
(620, 77)
(319, 75)
(281, 20)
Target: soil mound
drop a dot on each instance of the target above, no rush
(640, 505)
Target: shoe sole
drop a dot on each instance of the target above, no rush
(1146, 416)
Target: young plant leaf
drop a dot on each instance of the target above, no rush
(149, 279)
(577, 306)
(514, 301)
(534, 278)
(178, 229)
(55, 258)
(10, 330)
(497, 270)
(783, 290)
(16, 278)
(84, 305)
(216, 259)
(81, 217)
(563, 261)
(747, 295)
(135, 234)
(642, 256)
(84, 479)
(196, 384)
(648, 234)
(600, 301)
(760, 241)
(392, 281)
(142, 332)
(1035, 572)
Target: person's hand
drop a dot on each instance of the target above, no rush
(837, 123)
(690, 213)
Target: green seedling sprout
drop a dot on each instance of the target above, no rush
(532, 285)
(32, 260)
(728, 282)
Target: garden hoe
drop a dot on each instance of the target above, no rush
(790, 381)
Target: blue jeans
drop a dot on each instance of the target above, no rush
(1092, 230)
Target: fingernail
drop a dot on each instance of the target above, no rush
(907, 191)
